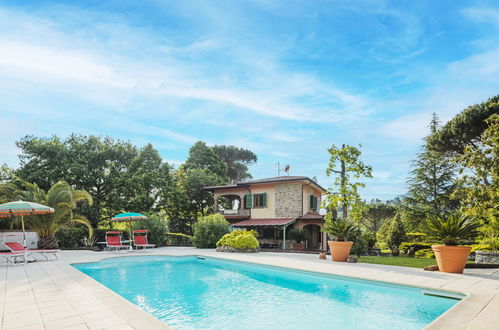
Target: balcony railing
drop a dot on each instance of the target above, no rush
(239, 212)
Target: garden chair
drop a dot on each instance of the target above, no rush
(140, 239)
(13, 256)
(113, 240)
(17, 247)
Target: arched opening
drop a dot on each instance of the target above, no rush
(314, 237)
(229, 204)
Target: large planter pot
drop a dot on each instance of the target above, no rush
(298, 246)
(451, 259)
(340, 250)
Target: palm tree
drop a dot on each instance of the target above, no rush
(61, 196)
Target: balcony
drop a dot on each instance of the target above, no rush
(234, 213)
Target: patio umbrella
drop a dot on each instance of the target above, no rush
(22, 208)
(128, 217)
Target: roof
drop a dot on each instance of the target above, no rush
(310, 216)
(276, 179)
(264, 222)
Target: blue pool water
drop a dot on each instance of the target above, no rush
(192, 293)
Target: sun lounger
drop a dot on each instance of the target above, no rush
(113, 241)
(140, 239)
(18, 247)
(13, 256)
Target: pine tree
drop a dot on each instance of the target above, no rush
(431, 181)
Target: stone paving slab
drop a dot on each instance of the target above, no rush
(54, 295)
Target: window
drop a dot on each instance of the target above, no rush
(314, 203)
(259, 200)
(255, 200)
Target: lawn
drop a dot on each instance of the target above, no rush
(398, 261)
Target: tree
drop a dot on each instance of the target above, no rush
(190, 201)
(377, 213)
(203, 157)
(479, 188)
(6, 173)
(344, 192)
(396, 233)
(465, 129)
(237, 161)
(431, 182)
(61, 196)
(117, 175)
(148, 180)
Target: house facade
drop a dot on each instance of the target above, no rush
(272, 207)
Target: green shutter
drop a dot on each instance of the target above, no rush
(316, 200)
(313, 202)
(248, 198)
(264, 199)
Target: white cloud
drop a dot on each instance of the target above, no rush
(480, 14)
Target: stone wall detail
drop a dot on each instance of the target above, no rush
(486, 257)
(288, 200)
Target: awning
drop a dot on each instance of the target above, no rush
(264, 222)
(310, 216)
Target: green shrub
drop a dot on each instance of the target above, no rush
(339, 229)
(425, 254)
(416, 237)
(396, 233)
(208, 230)
(363, 241)
(157, 227)
(178, 239)
(298, 235)
(453, 229)
(412, 247)
(72, 238)
(481, 247)
(240, 239)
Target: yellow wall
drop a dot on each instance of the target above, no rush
(307, 191)
(269, 211)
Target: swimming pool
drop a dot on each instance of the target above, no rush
(192, 293)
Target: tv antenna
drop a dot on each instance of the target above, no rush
(286, 169)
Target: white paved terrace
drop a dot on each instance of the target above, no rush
(54, 295)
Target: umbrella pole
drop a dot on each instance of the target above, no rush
(24, 232)
(130, 235)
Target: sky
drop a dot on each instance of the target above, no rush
(285, 79)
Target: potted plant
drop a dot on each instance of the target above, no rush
(339, 229)
(298, 235)
(451, 231)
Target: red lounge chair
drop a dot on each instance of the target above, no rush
(113, 240)
(18, 247)
(140, 239)
(12, 256)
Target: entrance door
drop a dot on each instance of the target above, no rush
(313, 236)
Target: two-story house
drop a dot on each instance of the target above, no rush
(272, 207)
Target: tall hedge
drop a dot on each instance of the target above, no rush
(208, 230)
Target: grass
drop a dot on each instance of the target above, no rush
(398, 261)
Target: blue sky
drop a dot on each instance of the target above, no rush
(285, 79)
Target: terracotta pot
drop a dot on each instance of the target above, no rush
(451, 259)
(298, 246)
(340, 250)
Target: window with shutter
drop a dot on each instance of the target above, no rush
(264, 200)
(315, 203)
(311, 206)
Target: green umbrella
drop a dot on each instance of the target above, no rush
(128, 217)
(22, 208)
